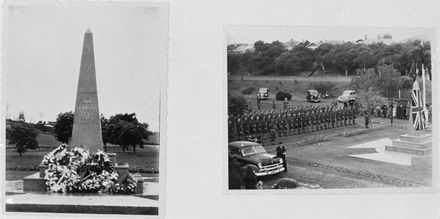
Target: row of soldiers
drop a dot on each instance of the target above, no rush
(290, 121)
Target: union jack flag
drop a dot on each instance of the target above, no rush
(417, 112)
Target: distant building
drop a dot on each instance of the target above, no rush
(386, 39)
(291, 43)
(240, 47)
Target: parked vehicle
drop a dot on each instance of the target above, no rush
(312, 96)
(263, 93)
(348, 96)
(251, 154)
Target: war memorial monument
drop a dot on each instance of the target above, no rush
(86, 143)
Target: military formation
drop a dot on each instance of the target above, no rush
(287, 122)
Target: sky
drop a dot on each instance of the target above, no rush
(250, 34)
(43, 46)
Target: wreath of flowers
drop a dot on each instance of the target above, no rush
(126, 185)
(79, 171)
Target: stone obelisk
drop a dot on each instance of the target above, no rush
(86, 123)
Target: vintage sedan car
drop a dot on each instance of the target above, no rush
(313, 96)
(255, 156)
(263, 93)
(348, 96)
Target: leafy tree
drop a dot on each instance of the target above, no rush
(233, 62)
(23, 136)
(105, 131)
(63, 127)
(287, 63)
(236, 105)
(388, 82)
(125, 130)
(323, 87)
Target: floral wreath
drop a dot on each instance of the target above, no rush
(79, 171)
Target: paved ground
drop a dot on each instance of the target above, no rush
(151, 185)
(355, 161)
(145, 203)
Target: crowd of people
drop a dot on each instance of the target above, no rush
(291, 121)
(399, 111)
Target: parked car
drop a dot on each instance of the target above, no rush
(251, 154)
(263, 93)
(312, 96)
(348, 96)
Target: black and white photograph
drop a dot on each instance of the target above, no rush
(329, 107)
(65, 151)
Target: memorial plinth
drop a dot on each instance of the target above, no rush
(420, 144)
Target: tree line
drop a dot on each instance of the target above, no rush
(120, 129)
(276, 58)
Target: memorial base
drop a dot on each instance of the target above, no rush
(419, 143)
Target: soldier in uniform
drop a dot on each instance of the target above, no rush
(354, 116)
(333, 118)
(291, 125)
(280, 125)
(286, 103)
(258, 103)
(273, 130)
(345, 114)
(302, 123)
(286, 126)
(350, 116)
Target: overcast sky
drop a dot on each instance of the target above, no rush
(44, 45)
(250, 34)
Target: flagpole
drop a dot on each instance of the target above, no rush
(424, 92)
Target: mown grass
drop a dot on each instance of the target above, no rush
(145, 160)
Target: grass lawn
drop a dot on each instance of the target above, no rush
(145, 159)
(17, 174)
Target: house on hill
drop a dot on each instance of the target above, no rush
(240, 47)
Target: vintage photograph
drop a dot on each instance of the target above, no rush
(329, 107)
(65, 151)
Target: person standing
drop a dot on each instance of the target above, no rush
(367, 119)
(250, 179)
(258, 103)
(235, 181)
(391, 113)
(283, 150)
(281, 153)
(286, 103)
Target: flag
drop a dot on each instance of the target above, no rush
(417, 111)
(425, 110)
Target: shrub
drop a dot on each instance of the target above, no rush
(281, 95)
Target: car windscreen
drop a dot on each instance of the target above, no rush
(252, 150)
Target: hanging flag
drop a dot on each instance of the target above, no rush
(425, 110)
(417, 112)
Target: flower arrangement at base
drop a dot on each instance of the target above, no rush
(79, 171)
(126, 185)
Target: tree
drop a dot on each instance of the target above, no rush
(22, 136)
(325, 86)
(125, 130)
(105, 131)
(388, 82)
(236, 105)
(63, 127)
(233, 62)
